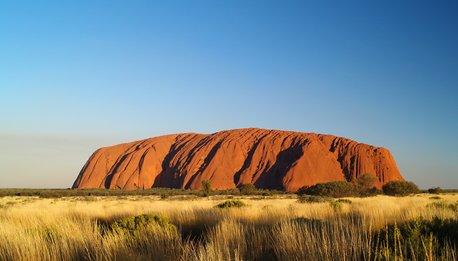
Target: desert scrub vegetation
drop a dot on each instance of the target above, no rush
(361, 187)
(418, 239)
(400, 188)
(135, 223)
(161, 192)
(436, 190)
(247, 189)
(276, 228)
(313, 199)
(233, 203)
(335, 189)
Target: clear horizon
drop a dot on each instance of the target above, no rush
(78, 76)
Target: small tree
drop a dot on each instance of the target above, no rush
(366, 181)
(247, 189)
(400, 188)
(206, 187)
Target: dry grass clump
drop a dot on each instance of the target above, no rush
(148, 228)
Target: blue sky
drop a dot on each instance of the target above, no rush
(75, 76)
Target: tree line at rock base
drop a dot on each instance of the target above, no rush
(362, 187)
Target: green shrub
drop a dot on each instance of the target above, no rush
(133, 224)
(435, 197)
(400, 188)
(364, 192)
(337, 204)
(313, 199)
(267, 193)
(233, 203)
(344, 201)
(335, 189)
(302, 190)
(419, 235)
(436, 190)
(247, 189)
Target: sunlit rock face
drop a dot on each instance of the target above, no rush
(270, 159)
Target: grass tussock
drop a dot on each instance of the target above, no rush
(150, 228)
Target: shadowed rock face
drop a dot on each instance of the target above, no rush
(269, 159)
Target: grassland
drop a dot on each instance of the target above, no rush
(189, 227)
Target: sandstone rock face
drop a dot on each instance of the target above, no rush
(270, 159)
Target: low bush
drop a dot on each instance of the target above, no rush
(336, 189)
(421, 236)
(344, 201)
(363, 192)
(302, 190)
(233, 203)
(313, 199)
(400, 188)
(436, 190)
(267, 193)
(337, 205)
(133, 224)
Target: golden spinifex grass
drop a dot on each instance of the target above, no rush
(275, 228)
